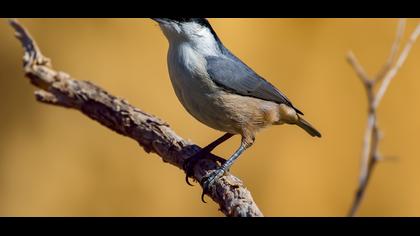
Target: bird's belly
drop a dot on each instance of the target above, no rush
(222, 110)
(203, 102)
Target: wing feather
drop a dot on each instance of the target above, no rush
(234, 75)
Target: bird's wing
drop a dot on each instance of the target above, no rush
(237, 77)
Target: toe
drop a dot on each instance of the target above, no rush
(188, 167)
(207, 182)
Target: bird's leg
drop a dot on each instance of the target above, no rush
(207, 181)
(192, 161)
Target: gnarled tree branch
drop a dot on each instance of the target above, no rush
(153, 134)
(370, 151)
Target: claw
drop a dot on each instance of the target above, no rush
(188, 170)
(189, 163)
(187, 179)
(189, 167)
(206, 182)
(202, 197)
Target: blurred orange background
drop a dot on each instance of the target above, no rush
(57, 162)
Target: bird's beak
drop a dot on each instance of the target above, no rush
(160, 20)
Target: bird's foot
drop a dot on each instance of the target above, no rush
(190, 163)
(209, 180)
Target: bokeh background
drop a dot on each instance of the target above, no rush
(57, 162)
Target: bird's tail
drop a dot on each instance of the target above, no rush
(308, 127)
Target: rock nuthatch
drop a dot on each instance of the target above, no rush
(221, 91)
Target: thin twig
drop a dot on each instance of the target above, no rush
(153, 134)
(358, 68)
(372, 137)
(393, 71)
(394, 50)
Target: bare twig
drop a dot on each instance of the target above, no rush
(370, 151)
(394, 51)
(153, 134)
(393, 71)
(358, 68)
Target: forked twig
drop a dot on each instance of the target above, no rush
(372, 137)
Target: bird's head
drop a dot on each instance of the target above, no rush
(186, 29)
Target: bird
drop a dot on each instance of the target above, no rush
(221, 91)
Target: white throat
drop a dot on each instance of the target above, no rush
(198, 38)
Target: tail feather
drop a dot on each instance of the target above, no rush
(308, 127)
